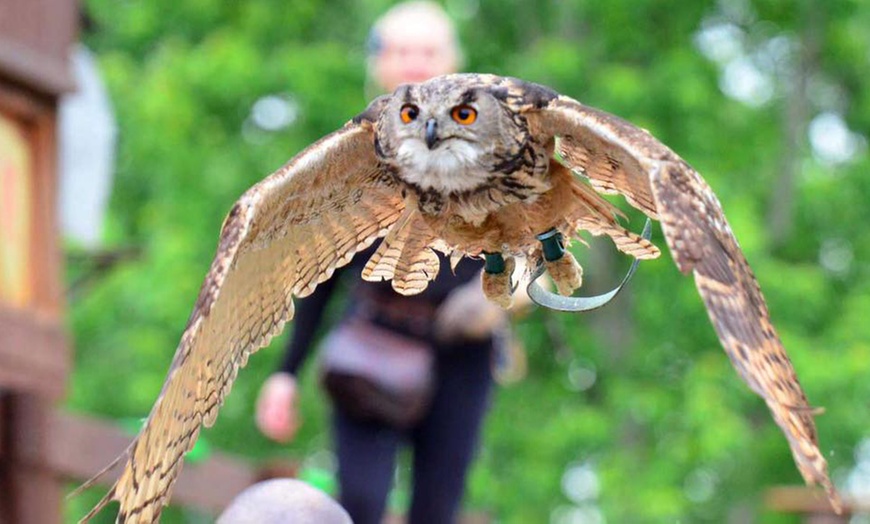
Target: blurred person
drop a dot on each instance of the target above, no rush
(283, 501)
(411, 43)
(399, 370)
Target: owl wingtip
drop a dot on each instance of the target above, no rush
(834, 497)
(107, 498)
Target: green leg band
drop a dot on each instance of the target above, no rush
(552, 244)
(494, 263)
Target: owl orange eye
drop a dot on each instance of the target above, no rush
(464, 114)
(409, 113)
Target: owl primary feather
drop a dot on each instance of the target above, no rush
(467, 165)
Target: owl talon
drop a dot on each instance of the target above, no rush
(561, 264)
(497, 279)
(566, 273)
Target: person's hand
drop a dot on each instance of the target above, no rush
(277, 414)
(466, 314)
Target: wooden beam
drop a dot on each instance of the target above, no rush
(46, 256)
(37, 36)
(85, 445)
(41, 73)
(34, 356)
(805, 500)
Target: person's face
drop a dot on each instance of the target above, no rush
(413, 53)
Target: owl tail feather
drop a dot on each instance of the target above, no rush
(406, 256)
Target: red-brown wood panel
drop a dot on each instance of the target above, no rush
(35, 36)
(33, 355)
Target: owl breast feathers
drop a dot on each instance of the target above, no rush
(469, 165)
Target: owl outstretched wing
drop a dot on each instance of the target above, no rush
(284, 236)
(618, 157)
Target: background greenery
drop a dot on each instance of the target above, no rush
(630, 414)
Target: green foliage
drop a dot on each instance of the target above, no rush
(667, 425)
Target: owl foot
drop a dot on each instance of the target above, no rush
(566, 273)
(561, 264)
(497, 279)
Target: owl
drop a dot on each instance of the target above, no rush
(470, 165)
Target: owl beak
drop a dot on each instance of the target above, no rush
(431, 133)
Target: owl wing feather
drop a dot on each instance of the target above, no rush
(618, 157)
(284, 236)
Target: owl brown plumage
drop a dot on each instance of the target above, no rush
(462, 164)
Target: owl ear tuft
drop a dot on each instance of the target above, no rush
(523, 96)
(373, 111)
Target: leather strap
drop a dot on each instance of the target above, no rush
(551, 300)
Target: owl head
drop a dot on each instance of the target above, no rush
(448, 134)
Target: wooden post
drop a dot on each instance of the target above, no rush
(35, 40)
(35, 492)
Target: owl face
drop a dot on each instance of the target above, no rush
(446, 135)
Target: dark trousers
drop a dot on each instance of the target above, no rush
(443, 443)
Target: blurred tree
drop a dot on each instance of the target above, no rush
(768, 100)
